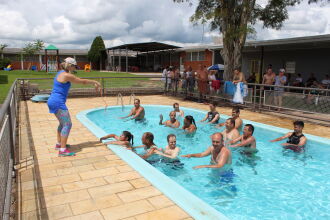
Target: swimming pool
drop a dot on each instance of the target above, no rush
(273, 183)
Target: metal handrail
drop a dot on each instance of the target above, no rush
(288, 87)
(7, 119)
(6, 103)
(102, 77)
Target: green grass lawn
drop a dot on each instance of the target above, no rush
(47, 84)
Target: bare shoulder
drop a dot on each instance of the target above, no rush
(68, 75)
(226, 151)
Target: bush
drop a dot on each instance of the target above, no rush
(4, 63)
(3, 79)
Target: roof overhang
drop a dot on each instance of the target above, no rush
(145, 47)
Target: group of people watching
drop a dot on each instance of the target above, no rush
(206, 81)
(283, 79)
(219, 150)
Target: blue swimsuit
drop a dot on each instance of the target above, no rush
(58, 96)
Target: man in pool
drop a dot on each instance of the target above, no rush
(235, 115)
(171, 151)
(230, 133)
(178, 111)
(173, 123)
(220, 155)
(296, 139)
(137, 111)
(247, 141)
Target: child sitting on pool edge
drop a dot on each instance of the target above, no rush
(171, 151)
(124, 139)
(148, 145)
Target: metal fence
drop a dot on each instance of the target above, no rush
(110, 85)
(306, 102)
(313, 103)
(8, 116)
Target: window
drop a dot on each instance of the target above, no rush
(290, 67)
(201, 55)
(195, 56)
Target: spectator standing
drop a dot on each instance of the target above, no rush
(214, 83)
(268, 79)
(190, 79)
(280, 80)
(202, 80)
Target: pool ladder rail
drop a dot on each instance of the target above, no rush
(120, 98)
(131, 97)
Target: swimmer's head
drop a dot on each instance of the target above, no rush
(213, 106)
(298, 126)
(148, 139)
(176, 106)
(188, 120)
(217, 139)
(127, 136)
(136, 102)
(248, 130)
(235, 112)
(230, 123)
(172, 115)
(171, 140)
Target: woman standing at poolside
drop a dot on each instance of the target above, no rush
(57, 100)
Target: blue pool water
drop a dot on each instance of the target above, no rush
(274, 183)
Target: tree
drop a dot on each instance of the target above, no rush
(31, 49)
(235, 19)
(94, 53)
(2, 47)
(4, 62)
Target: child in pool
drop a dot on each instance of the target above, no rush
(124, 139)
(171, 150)
(148, 145)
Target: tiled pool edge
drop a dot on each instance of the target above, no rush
(182, 201)
(194, 206)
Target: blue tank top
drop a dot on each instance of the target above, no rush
(58, 96)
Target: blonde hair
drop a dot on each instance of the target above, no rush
(65, 66)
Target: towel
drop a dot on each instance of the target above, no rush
(229, 88)
(241, 91)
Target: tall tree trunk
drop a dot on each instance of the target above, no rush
(234, 31)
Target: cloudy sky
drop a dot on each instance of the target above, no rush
(75, 23)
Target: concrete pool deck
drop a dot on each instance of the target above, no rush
(95, 183)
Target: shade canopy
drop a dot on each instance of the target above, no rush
(145, 47)
(216, 67)
(51, 47)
